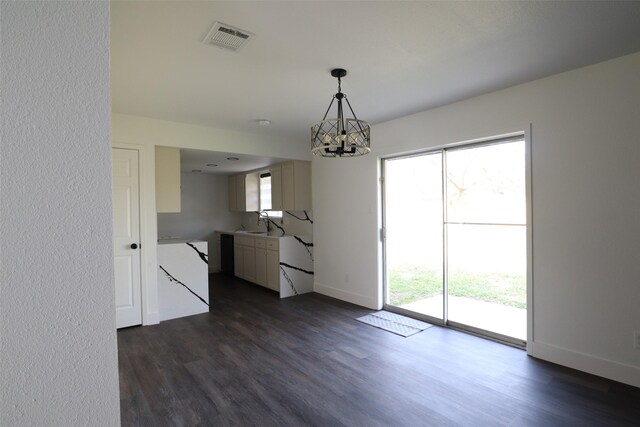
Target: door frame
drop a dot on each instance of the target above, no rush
(526, 134)
(148, 231)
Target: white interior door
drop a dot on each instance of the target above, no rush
(126, 237)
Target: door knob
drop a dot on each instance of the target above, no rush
(134, 246)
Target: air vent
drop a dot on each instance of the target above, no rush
(227, 37)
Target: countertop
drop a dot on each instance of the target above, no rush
(273, 234)
(176, 241)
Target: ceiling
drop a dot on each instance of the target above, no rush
(402, 57)
(201, 161)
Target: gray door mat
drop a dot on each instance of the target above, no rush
(400, 325)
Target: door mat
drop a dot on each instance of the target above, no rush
(400, 325)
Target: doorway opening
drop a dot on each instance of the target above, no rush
(455, 237)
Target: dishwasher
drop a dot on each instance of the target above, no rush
(226, 254)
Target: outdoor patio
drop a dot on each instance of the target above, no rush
(502, 319)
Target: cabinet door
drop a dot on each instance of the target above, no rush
(249, 263)
(261, 267)
(288, 187)
(302, 185)
(233, 203)
(276, 188)
(238, 261)
(241, 195)
(167, 179)
(252, 192)
(273, 270)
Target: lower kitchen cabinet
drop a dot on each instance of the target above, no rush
(273, 270)
(261, 266)
(244, 257)
(238, 261)
(268, 263)
(283, 264)
(249, 255)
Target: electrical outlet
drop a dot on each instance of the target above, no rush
(636, 340)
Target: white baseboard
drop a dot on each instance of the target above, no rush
(152, 318)
(610, 369)
(340, 294)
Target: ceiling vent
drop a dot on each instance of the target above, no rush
(227, 37)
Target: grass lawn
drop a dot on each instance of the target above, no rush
(410, 283)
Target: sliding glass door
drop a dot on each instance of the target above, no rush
(414, 234)
(455, 243)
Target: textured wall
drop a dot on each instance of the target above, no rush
(58, 350)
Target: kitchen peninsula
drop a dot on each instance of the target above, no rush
(183, 278)
(280, 262)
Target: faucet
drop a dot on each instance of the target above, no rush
(264, 216)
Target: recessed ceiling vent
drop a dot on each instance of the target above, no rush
(227, 37)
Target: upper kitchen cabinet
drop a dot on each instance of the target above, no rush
(167, 179)
(290, 188)
(296, 186)
(276, 187)
(244, 192)
(233, 189)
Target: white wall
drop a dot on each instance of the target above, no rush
(58, 350)
(586, 208)
(147, 131)
(205, 209)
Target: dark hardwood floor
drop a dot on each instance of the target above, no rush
(258, 360)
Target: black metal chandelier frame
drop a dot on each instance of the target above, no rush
(340, 137)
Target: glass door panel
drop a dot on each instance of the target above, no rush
(487, 277)
(486, 184)
(486, 238)
(414, 234)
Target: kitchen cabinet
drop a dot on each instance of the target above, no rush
(276, 187)
(233, 202)
(252, 192)
(241, 193)
(283, 264)
(296, 186)
(261, 266)
(268, 263)
(273, 270)
(290, 188)
(168, 179)
(249, 255)
(244, 192)
(238, 260)
(244, 257)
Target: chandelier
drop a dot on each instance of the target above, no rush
(340, 137)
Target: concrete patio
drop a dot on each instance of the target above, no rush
(505, 320)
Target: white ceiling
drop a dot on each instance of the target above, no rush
(402, 57)
(201, 161)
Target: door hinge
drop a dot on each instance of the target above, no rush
(383, 233)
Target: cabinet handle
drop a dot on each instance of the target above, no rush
(134, 246)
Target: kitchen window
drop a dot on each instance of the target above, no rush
(265, 195)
